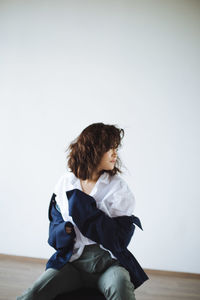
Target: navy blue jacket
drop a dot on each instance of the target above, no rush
(113, 234)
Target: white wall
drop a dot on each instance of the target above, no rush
(67, 64)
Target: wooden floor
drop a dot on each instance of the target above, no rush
(18, 273)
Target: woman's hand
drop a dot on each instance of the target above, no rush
(68, 229)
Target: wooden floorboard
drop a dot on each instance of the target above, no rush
(18, 273)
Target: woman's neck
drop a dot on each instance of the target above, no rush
(95, 177)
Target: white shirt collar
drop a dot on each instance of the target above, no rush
(75, 182)
(104, 178)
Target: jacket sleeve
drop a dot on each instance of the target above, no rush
(113, 233)
(58, 238)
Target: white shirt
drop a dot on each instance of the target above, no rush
(112, 196)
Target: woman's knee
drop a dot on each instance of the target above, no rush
(115, 284)
(34, 291)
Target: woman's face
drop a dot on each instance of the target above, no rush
(108, 160)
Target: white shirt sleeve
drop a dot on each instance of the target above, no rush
(61, 198)
(121, 202)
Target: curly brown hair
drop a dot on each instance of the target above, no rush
(86, 151)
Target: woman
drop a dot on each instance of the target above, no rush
(91, 223)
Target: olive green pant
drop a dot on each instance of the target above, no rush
(94, 268)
